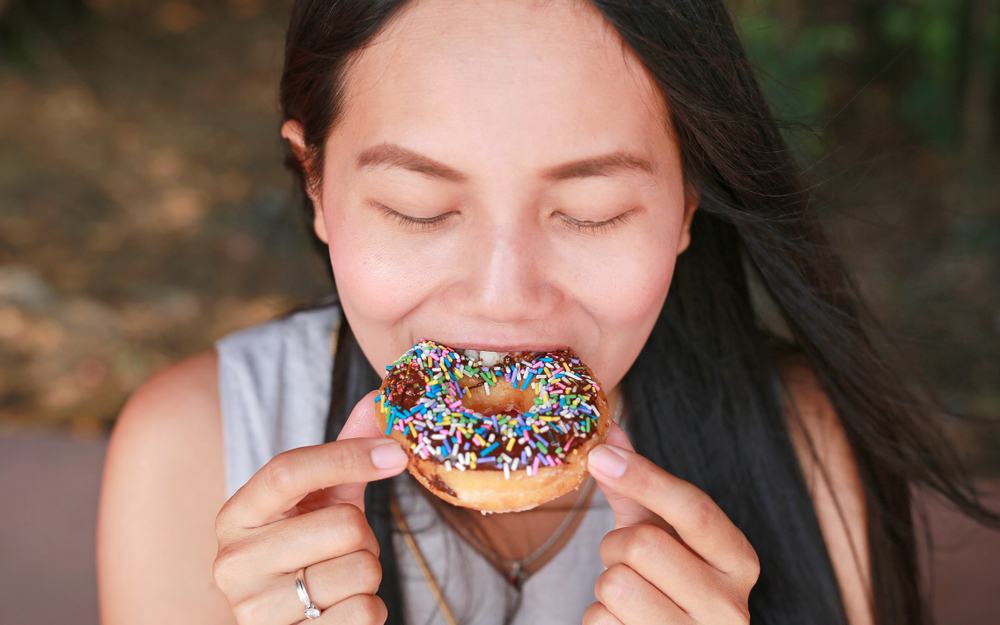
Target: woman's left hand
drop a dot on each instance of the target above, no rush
(674, 556)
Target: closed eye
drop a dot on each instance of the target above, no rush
(587, 226)
(415, 223)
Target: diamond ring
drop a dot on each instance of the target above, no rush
(311, 610)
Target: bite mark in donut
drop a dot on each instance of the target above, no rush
(494, 437)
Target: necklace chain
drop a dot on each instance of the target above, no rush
(411, 543)
(516, 575)
(517, 567)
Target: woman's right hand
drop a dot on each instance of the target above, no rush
(305, 509)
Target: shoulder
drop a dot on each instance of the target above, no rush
(170, 423)
(163, 485)
(832, 478)
(178, 405)
(814, 426)
(263, 388)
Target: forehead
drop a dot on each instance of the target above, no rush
(536, 82)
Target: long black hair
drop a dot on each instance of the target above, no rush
(704, 398)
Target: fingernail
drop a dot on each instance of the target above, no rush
(388, 455)
(607, 460)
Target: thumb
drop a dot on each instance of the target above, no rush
(627, 511)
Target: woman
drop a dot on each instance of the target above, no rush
(514, 175)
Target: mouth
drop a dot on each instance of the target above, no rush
(485, 357)
(493, 356)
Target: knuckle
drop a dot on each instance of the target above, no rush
(612, 545)
(248, 612)
(752, 569)
(350, 526)
(279, 473)
(642, 541)
(222, 521)
(702, 512)
(226, 567)
(371, 610)
(342, 459)
(227, 527)
(613, 584)
(746, 572)
(595, 614)
(368, 571)
(351, 515)
(736, 613)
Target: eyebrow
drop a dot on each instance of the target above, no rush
(394, 155)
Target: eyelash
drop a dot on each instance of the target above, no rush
(428, 223)
(416, 223)
(596, 227)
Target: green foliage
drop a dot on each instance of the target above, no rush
(792, 64)
(929, 100)
(24, 24)
(916, 51)
(793, 70)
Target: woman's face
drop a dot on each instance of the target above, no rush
(533, 149)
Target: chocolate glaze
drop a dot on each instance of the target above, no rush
(554, 440)
(406, 385)
(441, 485)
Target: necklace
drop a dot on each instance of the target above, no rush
(418, 555)
(516, 574)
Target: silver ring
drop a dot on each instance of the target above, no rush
(311, 610)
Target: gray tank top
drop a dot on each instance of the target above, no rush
(274, 382)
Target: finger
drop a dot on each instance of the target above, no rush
(356, 610)
(700, 523)
(328, 582)
(669, 566)
(286, 546)
(627, 511)
(274, 489)
(618, 437)
(635, 601)
(361, 423)
(597, 614)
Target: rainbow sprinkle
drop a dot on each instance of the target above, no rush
(439, 426)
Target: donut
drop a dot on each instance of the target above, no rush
(492, 432)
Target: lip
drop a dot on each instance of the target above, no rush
(504, 347)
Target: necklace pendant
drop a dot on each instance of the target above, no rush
(516, 576)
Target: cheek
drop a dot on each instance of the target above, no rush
(379, 275)
(625, 299)
(639, 288)
(626, 287)
(624, 292)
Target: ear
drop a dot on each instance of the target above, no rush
(691, 200)
(292, 132)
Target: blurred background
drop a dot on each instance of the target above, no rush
(144, 212)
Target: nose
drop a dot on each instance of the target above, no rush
(508, 277)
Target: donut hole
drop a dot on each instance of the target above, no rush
(503, 398)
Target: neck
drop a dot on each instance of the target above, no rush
(513, 536)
